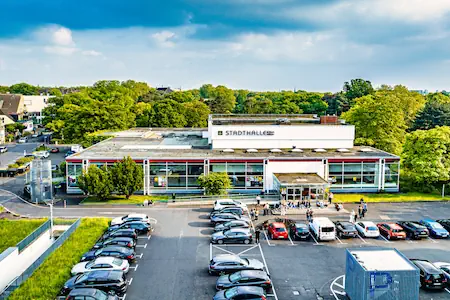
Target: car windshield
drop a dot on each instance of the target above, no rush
(226, 224)
(436, 225)
(90, 264)
(81, 278)
(245, 261)
(280, 229)
(396, 230)
(371, 228)
(235, 277)
(231, 293)
(117, 261)
(99, 295)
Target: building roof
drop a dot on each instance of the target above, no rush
(382, 260)
(275, 119)
(11, 104)
(300, 179)
(189, 144)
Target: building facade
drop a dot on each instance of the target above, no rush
(252, 150)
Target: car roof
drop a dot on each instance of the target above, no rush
(226, 257)
(368, 223)
(143, 216)
(300, 225)
(392, 225)
(120, 238)
(244, 230)
(114, 247)
(83, 292)
(428, 220)
(224, 214)
(346, 223)
(278, 224)
(250, 290)
(427, 266)
(111, 274)
(254, 273)
(104, 259)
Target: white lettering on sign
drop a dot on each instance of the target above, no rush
(249, 132)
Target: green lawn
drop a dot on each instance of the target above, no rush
(395, 197)
(49, 278)
(13, 231)
(1, 209)
(134, 199)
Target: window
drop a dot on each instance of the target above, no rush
(391, 173)
(218, 167)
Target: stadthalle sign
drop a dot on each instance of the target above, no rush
(246, 132)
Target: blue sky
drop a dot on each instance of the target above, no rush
(252, 44)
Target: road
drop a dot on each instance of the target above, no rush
(15, 151)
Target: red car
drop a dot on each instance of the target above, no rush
(54, 150)
(277, 230)
(391, 231)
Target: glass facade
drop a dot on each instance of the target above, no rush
(73, 171)
(175, 175)
(242, 175)
(391, 174)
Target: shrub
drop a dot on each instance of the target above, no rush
(26, 133)
(215, 183)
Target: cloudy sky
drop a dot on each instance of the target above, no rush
(254, 44)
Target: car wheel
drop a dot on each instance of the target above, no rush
(340, 235)
(220, 242)
(388, 236)
(246, 242)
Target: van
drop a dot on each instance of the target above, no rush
(76, 148)
(323, 229)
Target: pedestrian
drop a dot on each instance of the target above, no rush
(360, 211)
(361, 201)
(257, 232)
(307, 214)
(266, 209)
(252, 213)
(145, 202)
(256, 214)
(364, 208)
(258, 200)
(310, 215)
(352, 216)
(330, 197)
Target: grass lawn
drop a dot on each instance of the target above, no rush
(395, 197)
(1, 209)
(49, 278)
(13, 231)
(134, 199)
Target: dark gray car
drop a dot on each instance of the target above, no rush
(241, 292)
(231, 224)
(229, 263)
(232, 236)
(233, 210)
(244, 278)
(225, 217)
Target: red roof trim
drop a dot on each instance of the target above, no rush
(353, 160)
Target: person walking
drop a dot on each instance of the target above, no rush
(364, 211)
(353, 216)
(257, 233)
(266, 209)
(330, 197)
(307, 214)
(310, 215)
(256, 214)
(360, 211)
(252, 213)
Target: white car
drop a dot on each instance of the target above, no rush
(41, 154)
(129, 218)
(101, 263)
(222, 203)
(367, 229)
(35, 135)
(444, 266)
(3, 149)
(22, 140)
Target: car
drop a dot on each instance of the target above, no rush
(131, 233)
(90, 294)
(445, 267)
(241, 292)
(140, 227)
(232, 236)
(35, 135)
(118, 241)
(41, 154)
(130, 218)
(436, 230)
(55, 167)
(445, 223)
(247, 278)
(68, 153)
(27, 191)
(230, 263)
(231, 224)
(367, 229)
(391, 231)
(430, 276)
(299, 231)
(222, 203)
(101, 263)
(345, 229)
(114, 251)
(225, 217)
(414, 230)
(277, 230)
(3, 149)
(233, 210)
(22, 140)
(102, 280)
(54, 150)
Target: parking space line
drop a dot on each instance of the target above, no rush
(267, 270)
(142, 246)
(292, 243)
(210, 251)
(149, 236)
(316, 242)
(267, 239)
(131, 280)
(142, 237)
(124, 296)
(411, 242)
(229, 252)
(362, 239)
(386, 240)
(242, 252)
(136, 267)
(339, 240)
(142, 254)
(434, 241)
(447, 290)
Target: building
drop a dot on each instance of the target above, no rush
(34, 106)
(297, 155)
(12, 105)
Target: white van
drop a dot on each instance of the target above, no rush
(76, 148)
(323, 229)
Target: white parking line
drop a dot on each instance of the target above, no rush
(434, 241)
(316, 242)
(149, 237)
(267, 239)
(124, 296)
(142, 237)
(292, 243)
(268, 272)
(142, 246)
(131, 280)
(339, 240)
(447, 290)
(362, 239)
(142, 254)
(210, 251)
(136, 267)
(246, 250)
(224, 250)
(385, 239)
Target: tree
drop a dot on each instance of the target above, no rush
(222, 101)
(55, 92)
(206, 91)
(196, 114)
(24, 89)
(143, 111)
(167, 113)
(435, 113)
(96, 181)
(128, 177)
(136, 89)
(215, 183)
(357, 88)
(4, 89)
(337, 103)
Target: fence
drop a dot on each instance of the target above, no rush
(28, 272)
(34, 235)
(230, 196)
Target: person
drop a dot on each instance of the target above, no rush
(150, 202)
(307, 214)
(310, 215)
(258, 200)
(330, 197)
(360, 211)
(252, 213)
(266, 209)
(256, 214)
(257, 232)
(364, 208)
(362, 200)
(145, 202)
(352, 216)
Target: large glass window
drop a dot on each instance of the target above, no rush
(335, 173)
(255, 176)
(158, 169)
(391, 173)
(242, 175)
(354, 175)
(195, 169)
(73, 171)
(218, 167)
(176, 169)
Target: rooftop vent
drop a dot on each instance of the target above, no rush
(366, 150)
(296, 150)
(228, 150)
(252, 150)
(342, 150)
(320, 150)
(275, 150)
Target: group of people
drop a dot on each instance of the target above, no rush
(362, 211)
(309, 215)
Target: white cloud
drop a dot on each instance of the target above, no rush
(62, 36)
(164, 38)
(59, 50)
(91, 53)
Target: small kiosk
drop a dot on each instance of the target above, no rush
(300, 186)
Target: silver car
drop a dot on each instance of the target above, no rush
(101, 263)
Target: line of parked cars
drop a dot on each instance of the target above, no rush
(239, 277)
(101, 272)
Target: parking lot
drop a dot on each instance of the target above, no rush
(173, 262)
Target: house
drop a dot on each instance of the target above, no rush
(34, 106)
(12, 105)
(165, 90)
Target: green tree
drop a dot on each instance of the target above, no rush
(143, 111)
(96, 182)
(206, 91)
(435, 113)
(222, 101)
(167, 113)
(337, 103)
(136, 89)
(4, 89)
(128, 177)
(196, 114)
(357, 88)
(55, 92)
(215, 183)
(24, 89)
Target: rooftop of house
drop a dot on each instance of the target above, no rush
(11, 104)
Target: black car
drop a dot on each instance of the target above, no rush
(232, 236)
(232, 210)
(225, 217)
(241, 292)
(231, 224)
(346, 229)
(445, 223)
(117, 241)
(114, 251)
(102, 280)
(299, 231)
(90, 294)
(140, 227)
(248, 278)
(430, 276)
(414, 230)
(131, 233)
(229, 263)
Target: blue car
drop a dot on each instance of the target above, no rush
(435, 229)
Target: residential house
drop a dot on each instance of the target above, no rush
(34, 106)
(12, 105)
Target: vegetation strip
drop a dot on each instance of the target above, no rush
(13, 231)
(134, 199)
(400, 197)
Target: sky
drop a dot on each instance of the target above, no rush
(313, 45)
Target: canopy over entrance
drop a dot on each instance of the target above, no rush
(300, 186)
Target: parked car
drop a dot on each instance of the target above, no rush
(436, 230)
(241, 292)
(54, 150)
(102, 280)
(323, 229)
(345, 229)
(445, 223)
(230, 263)
(430, 276)
(225, 217)
(222, 203)
(231, 224)
(101, 263)
(130, 218)
(3, 149)
(277, 230)
(90, 294)
(299, 231)
(22, 140)
(114, 251)
(117, 241)
(131, 233)
(246, 278)
(68, 153)
(367, 229)
(232, 210)
(55, 167)
(232, 236)
(445, 268)
(41, 154)
(391, 230)
(35, 135)
(140, 227)
(414, 230)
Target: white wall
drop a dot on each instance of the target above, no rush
(316, 167)
(36, 103)
(283, 136)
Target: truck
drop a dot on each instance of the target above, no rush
(323, 229)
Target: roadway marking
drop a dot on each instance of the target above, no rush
(411, 242)
(141, 255)
(210, 251)
(124, 296)
(434, 241)
(341, 286)
(316, 242)
(229, 252)
(136, 267)
(267, 239)
(447, 290)
(142, 246)
(242, 252)
(131, 280)
(386, 240)
(142, 237)
(362, 239)
(384, 217)
(149, 237)
(339, 240)
(292, 243)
